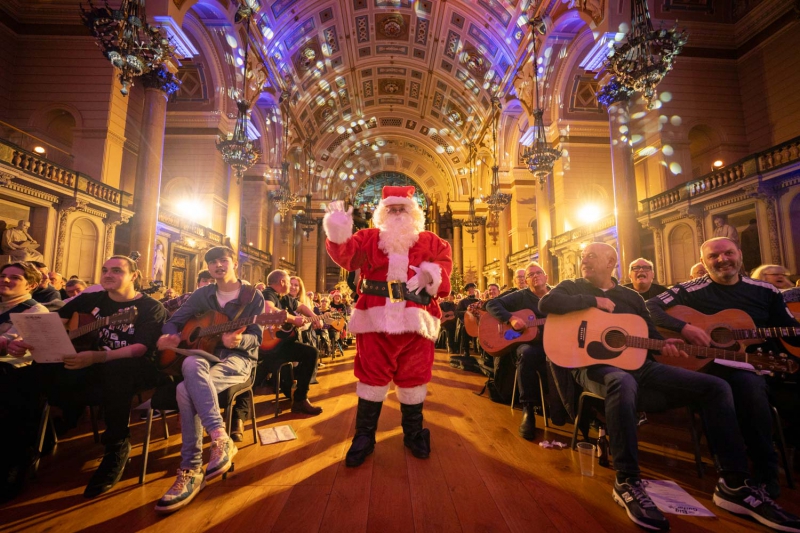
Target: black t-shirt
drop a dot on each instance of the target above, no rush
(654, 290)
(271, 295)
(146, 328)
(290, 304)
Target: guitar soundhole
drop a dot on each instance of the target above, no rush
(193, 335)
(722, 336)
(615, 339)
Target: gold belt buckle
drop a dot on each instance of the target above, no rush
(391, 294)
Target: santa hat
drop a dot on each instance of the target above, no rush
(398, 195)
(334, 293)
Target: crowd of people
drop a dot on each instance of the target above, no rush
(402, 306)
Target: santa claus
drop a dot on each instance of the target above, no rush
(404, 270)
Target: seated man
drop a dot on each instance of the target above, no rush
(620, 388)
(530, 357)
(465, 360)
(493, 291)
(120, 365)
(327, 333)
(45, 293)
(74, 287)
(698, 270)
(641, 273)
(724, 288)
(203, 381)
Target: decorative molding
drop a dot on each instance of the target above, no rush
(176, 36)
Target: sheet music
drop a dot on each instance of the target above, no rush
(276, 434)
(669, 497)
(46, 333)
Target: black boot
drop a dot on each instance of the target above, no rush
(110, 470)
(527, 428)
(417, 439)
(364, 440)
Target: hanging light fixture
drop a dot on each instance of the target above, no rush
(283, 197)
(497, 201)
(472, 223)
(539, 156)
(239, 152)
(640, 62)
(133, 46)
(304, 219)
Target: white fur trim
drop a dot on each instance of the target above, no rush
(397, 200)
(394, 319)
(372, 393)
(338, 226)
(435, 272)
(412, 395)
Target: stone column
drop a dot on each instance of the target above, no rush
(458, 250)
(543, 227)
(233, 218)
(658, 243)
(504, 248)
(481, 252)
(67, 206)
(148, 168)
(111, 227)
(322, 257)
(769, 198)
(625, 205)
(298, 249)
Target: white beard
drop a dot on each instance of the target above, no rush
(398, 234)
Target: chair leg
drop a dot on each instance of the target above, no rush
(776, 417)
(278, 391)
(544, 401)
(146, 445)
(698, 459)
(43, 423)
(514, 389)
(577, 422)
(95, 428)
(166, 427)
(253, 416)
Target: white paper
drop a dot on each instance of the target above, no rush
(276, 434)
(670, 498)
(197, 353)
(46, 333)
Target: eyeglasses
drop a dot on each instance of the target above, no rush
(396, 209)
(532, 274)
(645, 268)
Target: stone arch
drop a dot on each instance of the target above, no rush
(84, 239)
(682, 252)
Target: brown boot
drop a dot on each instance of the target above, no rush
(237, 434)
(305, 407)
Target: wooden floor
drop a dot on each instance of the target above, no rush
(481, 476)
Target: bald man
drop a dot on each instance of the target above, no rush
(679, 387)
(722, 288)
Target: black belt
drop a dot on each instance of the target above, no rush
(396, 291)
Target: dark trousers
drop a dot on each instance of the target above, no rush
(20, 410)
(304, 355)
(112, 385)
(751, 398)
(449, 330)
(678, 387)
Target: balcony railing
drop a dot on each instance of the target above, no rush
(41, 168)
(584, 231)
(255, 253)
(523, 255)
(171, 219)
(283, 264)
(766, 161)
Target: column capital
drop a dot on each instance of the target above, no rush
(161, 79)
(613, 92)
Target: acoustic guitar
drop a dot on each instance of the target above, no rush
(204, 332)
(335, 320)
(472, 318)
(730, 328)
(447, 316)
(592, 337)
(794, 307)
(498, 338)
(174, 304)
(81, 324)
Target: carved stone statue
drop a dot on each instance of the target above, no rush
(723, 229)
(19, 245)
(159, 262)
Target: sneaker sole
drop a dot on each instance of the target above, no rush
(744, 511)
(180, 505)
(631, 517)
(224, 468)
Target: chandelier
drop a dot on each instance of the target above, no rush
(133, 46)
(239, 152)
(497, 201)
(641, 62)
(472, 224)
(493, 227)
(539, 156)
(283, 197)
(304, 219)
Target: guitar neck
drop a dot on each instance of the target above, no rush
(88, 328)
(701, 352)
(535, 323)
(765, 333)
(219, 329)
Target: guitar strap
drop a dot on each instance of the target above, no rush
(246, 295)
(19, 308)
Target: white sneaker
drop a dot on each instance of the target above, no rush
(222, 452)
(183, 491)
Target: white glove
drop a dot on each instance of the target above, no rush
(338, 207)
(420, 280)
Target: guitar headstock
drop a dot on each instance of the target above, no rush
(774, 364)
(123, 316)
(271, 319)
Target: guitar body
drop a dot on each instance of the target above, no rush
(498, 338)
(271, 338)
(472, 320)
(594, 337)
(719, 326)
(335, 320)
(84, 342)
(170, 362)
(447, 316)
(794, 307)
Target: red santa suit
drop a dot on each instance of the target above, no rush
(394, 340)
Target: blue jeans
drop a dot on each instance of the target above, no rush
(676, 387)
(198, 402)
(751, 398)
